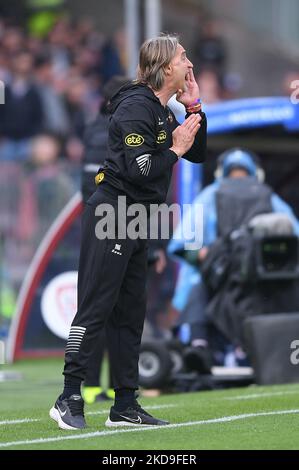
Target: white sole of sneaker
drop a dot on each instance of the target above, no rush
(116, 424)
(54, 414)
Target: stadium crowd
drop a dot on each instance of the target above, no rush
(53, 88)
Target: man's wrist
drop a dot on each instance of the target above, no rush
(194, 107)
(176, 151)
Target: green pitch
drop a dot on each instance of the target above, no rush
(244, 418)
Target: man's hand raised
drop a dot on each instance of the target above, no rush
(191, 93)
(183, 136)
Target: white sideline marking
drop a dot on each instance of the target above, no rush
(225, 419)
(260, 395)
(18, 421)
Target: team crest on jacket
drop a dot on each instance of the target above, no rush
(134, 140)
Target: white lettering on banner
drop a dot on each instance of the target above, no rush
(294, 357)
(295, 95)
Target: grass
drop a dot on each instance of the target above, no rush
(273, 427)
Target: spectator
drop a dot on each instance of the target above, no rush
(210, 86)
(110, 63)
(211, 48)
(13, 40)
(46, 191)
(74, 99)
(4, 68)
(56, 119)
(22, 115)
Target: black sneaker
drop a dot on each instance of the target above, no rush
(69, 413)
(133, 416)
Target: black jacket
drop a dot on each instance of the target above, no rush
(22, 115)
(139, 162)
(95, 143)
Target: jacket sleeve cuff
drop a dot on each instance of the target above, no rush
(198, 112)
(172, 155)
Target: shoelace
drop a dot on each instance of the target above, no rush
(137, 407)
(76, 407)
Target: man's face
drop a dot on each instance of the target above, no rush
(22, 64)
(238, 172)
(180, 66)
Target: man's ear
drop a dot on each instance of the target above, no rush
(168, 70)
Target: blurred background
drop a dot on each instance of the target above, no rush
(55, 58)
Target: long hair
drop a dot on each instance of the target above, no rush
(155, 55)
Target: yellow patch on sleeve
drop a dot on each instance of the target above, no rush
(99, 178)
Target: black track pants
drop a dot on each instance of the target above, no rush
(95, 362)
(111, 291)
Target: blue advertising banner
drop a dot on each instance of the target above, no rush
(235, 115)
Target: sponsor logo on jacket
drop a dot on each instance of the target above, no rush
(134, 140)
(161, 137)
